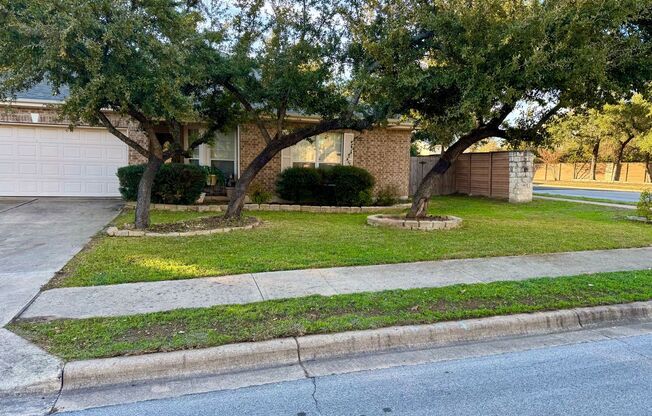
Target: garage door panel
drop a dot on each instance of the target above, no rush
(94, 188)
(28, 168)
(6, 150)
(72, 187)
(7, 168)
(72, 170)
(49, 135)
(27, 186)
(93, 153)
(96, 171)
(51, 187)
(26, 133)
(50, 169)
(49, 161)
(49, 151)
(72, 152)
(26, 150)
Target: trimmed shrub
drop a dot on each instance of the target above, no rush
(387, 196)
(337, 185)
(129, 178)
(644, 207)
(351, 185)
(178, 183)
(258, 195)
(175, 183)
(299, 185)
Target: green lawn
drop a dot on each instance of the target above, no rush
(206, 327)
(296, 240)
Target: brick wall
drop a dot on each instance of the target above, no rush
(251, 143)
(385, 153)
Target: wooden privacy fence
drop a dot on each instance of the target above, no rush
(419, 168)
(484, 174)
(630, 172)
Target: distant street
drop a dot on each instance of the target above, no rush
(612, 377)
(621, 196)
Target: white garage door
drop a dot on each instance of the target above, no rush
(53, 161)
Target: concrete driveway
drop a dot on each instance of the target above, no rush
(38, 237)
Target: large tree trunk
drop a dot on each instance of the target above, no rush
(648, 167)
(236, 203)
(154, 162)
(424, 192)
(594, 159)
(145, 192)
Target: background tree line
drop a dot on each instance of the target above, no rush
(614, 133)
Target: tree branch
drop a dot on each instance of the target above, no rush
(104, 120)
(249, 108)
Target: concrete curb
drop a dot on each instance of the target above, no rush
(294, 351)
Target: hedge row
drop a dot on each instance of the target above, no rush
(338, 185)
(175, 183)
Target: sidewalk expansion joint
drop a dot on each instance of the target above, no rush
(253, 277)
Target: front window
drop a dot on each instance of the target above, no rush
(195, 157)
(222, 153)
(318, 152)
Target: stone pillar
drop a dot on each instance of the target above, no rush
(521, 174)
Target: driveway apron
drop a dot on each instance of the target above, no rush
(38, 236)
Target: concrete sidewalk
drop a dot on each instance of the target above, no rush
(135, 298)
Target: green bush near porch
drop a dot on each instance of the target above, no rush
(336, 185)
(175, 183)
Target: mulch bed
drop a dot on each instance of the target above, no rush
(198, 224)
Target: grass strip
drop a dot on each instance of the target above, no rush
(219, 325)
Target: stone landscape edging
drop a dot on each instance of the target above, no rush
(273, 207)
(233, 358)
(116, 232)
(426, 224)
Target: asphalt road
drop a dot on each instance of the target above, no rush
(621, 196)
(611, 377)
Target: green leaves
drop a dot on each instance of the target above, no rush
(478, 58)
(114, 54)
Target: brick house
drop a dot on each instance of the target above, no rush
(40, 156)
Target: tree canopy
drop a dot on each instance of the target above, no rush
(282, 59)
(468, 70)
(123, 58)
